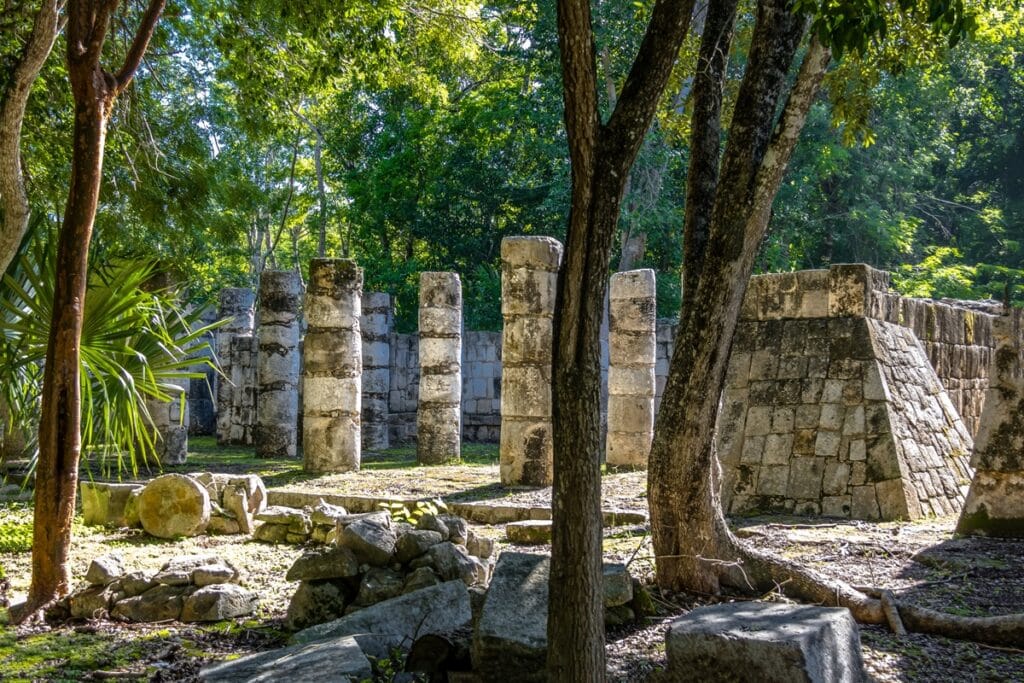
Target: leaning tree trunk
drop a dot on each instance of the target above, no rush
(94, 92)
(600, 158)
(688, 529)
(14, 211)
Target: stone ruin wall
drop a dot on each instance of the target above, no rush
(481, 387)
(836, 398)
(791, 324)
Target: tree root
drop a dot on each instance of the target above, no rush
(766, 571)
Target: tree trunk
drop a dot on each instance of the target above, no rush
(14, 211)
(600, 159)
(94, 91)
(692, 543)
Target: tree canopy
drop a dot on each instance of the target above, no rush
(415, 136)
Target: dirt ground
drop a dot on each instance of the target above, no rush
(921, 562)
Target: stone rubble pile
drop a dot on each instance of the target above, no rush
(192, 588)
(370, 559)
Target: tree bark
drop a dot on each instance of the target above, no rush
(14, 210)
(687, 524)
(600, 157)
(94, 91)
(705, 138)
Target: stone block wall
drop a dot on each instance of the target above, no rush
(481, 387)
(832, 405)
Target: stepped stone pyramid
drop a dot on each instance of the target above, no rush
(995, 503)
(838, 398)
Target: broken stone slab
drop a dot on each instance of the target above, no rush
(324, 563)
(529, 532)
(218, 602)
(330, 661)
(268, 532)
(173, 505)
(512, 633)
(105, 570)
(104, 504)
(752, 641)
(136, 583)
(180, 571)
(91, 603)
(422, 577)
(371, 539)
(285, 516)
(437, 609)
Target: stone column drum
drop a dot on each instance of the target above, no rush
(631, 384)
(529, 279)
(439, 414)
(236, 305)
(375, 325)
(277, 409)
(332, 367)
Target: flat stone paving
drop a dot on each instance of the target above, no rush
(468, 483)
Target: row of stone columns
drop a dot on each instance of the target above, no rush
(528, 287)
(344, 405)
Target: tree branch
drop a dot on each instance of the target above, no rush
(646, 81)
(139, 44)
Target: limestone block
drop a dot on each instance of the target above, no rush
(511, 634)
(527, 291)
(103, 504)
(753, 641)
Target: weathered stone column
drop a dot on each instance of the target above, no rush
(529, 278)
(632, 354)
(244, 354)
(236, 305)
(277, 408)
(375, 325)
(995, 504)
(332, 367)
(170, 424)
(439, 414)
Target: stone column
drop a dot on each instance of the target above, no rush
(277, 408)
(332, 367)
(236, 305)
(375, 325)
(632, 354)
(529, 278)
(439, 414)
(995, 506)
(170, 425)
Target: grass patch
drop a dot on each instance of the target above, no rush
(15, 529)
(473, 455)
(63, 655)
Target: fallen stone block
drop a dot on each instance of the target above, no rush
(371, 539)
(754, 641)
(337, 659)
(529, 532)
(105, 570)
(217, 602)
(437, 609)
(104, 504)
(323, 563)
(512, 633)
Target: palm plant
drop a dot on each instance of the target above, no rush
(136, 345)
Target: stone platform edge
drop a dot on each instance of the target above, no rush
(481, 513)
